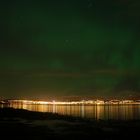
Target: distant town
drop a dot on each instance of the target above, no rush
(85, 102)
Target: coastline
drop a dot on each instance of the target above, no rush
(22, 123)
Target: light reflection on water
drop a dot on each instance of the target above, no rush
(104, 112)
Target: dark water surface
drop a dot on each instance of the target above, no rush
(104, 112)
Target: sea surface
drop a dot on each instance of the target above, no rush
(103, 112)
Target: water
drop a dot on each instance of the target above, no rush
(104, 112)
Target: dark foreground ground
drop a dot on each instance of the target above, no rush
(23, 124)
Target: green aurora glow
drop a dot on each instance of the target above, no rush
(69, 47)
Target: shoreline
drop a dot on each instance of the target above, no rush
(40, 125)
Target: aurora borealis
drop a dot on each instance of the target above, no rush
(69, 47)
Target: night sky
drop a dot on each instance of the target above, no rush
(69, 47)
